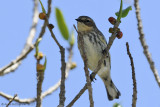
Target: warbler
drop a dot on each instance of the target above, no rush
(94, 45)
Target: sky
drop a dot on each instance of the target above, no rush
(16, 19)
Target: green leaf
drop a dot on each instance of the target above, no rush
(37, 43)
(61, 24)
(120, 12)
(43, 9)
(117, 105)
(45, 63)
(125, 11)
(72, 38)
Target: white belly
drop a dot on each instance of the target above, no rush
(94, 54)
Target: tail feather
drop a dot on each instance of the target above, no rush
(112, 91)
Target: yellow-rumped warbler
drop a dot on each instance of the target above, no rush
(94, 44)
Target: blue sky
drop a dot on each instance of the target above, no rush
(16, 19)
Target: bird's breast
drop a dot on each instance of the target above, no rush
(93, 49)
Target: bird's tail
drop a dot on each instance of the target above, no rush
(112, 91)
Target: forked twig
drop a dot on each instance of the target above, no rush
(28, 46)
(48, 91)
(11, 100)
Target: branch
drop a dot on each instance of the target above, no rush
(50, 90)
(47, 92)
(62, 51)
(111, 40)
(134, 96)
(77, 96)
(89, 86)
(28, 46)
(144, 44)
(40, 78)
(11, 100)
(44, 94)
(68, 67)
(15, 63)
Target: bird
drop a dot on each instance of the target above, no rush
(94, 46)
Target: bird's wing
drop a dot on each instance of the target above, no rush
(102, 38)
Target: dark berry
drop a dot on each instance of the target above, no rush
(111, 30)
(112, 20)
(50, 26)
(119, 34)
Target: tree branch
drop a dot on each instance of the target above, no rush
(62, 51)
(89, 86)
(134, 96)
(27, 49)
(144, 44)
(28, 46)
(48, 91)
(77, 96)
(40, 78)
(11, 100)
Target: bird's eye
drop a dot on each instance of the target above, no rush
(87, 20)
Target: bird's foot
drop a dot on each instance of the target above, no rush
(91, 76)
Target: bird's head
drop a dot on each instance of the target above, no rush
(85, 23)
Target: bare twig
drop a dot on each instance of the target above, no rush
(134, 96)
(48, 91)
(144, 44)
(111, 40)
(11, 100)
(9, 97)
(15, 63)
(68, 67)
(40, 78)
(28, 46)
(44, 94)
(62, 51)
(62, 87)
(77, 96)
(45, 22)
(89, 86)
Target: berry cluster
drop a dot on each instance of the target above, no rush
(113, 21)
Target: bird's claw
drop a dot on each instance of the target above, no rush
(91, 77)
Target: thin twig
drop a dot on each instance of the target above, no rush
(15, 63)
(9, 97)
(48, 91)
(28, 46)
(144, 44)
(68, 67)
(63, 66)
(111, 40)
(134, 96)
(40, 78)
(11, 100)
(85, 60)
(77, 96)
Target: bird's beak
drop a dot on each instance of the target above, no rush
(78, 20)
